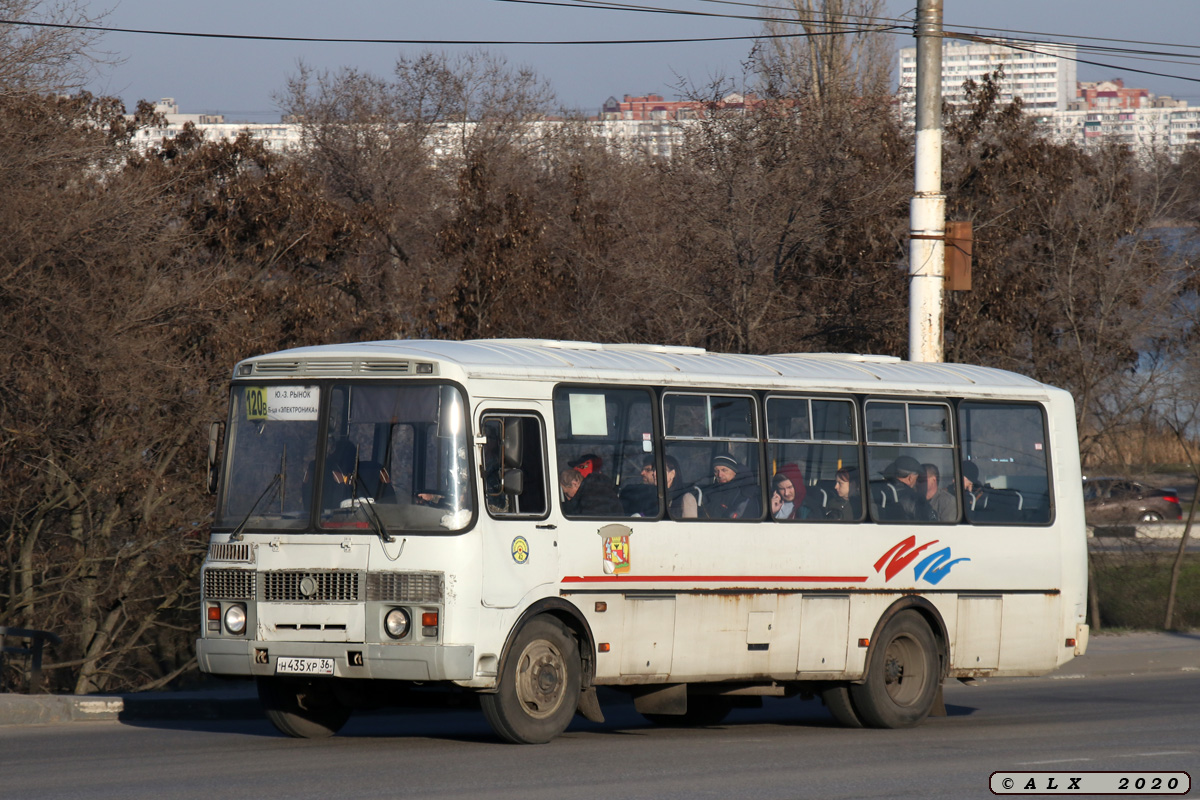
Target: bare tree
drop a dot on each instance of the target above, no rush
(1070, 285)
(828, 50)
(41, 57)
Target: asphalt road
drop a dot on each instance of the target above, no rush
(788, 749)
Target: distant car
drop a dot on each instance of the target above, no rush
(1115, 500)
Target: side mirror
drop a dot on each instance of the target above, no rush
(215, 432)
(513, 456)
(513, 481)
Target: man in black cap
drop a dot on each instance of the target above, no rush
(903, 502)
(734, 495)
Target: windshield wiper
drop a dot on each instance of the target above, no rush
(236, 536)
(369, 502)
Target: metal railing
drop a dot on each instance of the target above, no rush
(31, 649)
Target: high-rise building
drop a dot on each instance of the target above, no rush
(1042, 74)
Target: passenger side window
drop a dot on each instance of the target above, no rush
(910, 460)
(813, 454)
(513, 464)
(604, 439)
(712, 442)
(1005, 469)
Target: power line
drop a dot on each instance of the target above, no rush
(644, 9)
(1015, 44)
(892, 27)
(1089, 38)
(878, 25)
(473, 42)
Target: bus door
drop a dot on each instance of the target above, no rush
(520, 550)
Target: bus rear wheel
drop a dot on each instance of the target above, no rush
(902, 675)
(538, 690)
(837, 699)
(300, 708)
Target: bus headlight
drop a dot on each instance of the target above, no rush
(235, 619)
(396, 623)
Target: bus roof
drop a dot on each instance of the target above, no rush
(547, 359)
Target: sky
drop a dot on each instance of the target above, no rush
(241, 79)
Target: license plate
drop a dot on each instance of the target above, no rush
(304, 666)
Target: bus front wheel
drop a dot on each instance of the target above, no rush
(300, 708)
(902, 675)
(539, 685)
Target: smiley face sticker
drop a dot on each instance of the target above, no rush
(520, 550)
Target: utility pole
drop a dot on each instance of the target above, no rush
(927, 220)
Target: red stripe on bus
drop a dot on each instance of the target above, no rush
(716, 578)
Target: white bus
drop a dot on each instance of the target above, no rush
(528, 520)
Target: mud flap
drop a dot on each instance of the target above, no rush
(589, 705)
(939, 704)
(671, 700)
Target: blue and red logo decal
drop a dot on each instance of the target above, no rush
(932, 568)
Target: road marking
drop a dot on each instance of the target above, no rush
(1055, 761)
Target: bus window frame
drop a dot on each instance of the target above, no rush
(1047, 448)
(757, 407)
(653, 395)
(527, 413)
(856, 422)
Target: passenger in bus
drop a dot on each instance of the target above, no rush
(641, 499)
(734, 494)
(683, 502)
(846, 505)
(973, 488)
(593, 494)
(787, 494)
(945, 507)
(901, 476)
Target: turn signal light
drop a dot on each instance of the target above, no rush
(604, 647)
(1070, 642)
(214, 612)
(429, 619)
(864, 642)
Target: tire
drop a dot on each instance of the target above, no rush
(703, 711)
(902, 675)
(302, 708)
(538, 690)
(837, 700)
(1149, 516)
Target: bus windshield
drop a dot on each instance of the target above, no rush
(387, 457)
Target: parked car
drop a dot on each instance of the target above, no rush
(1116, 500)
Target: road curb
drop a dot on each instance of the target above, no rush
(16, 709)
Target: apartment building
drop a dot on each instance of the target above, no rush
(277, 135)
(1042, 74)
(1167, 129)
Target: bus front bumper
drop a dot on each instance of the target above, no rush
(350, 660)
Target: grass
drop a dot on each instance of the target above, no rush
(1132, 588)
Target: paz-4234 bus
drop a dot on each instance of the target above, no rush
(529, 520)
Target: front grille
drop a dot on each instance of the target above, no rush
(229, 584)
(231, 552)
(405, 587)
(311, 585)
